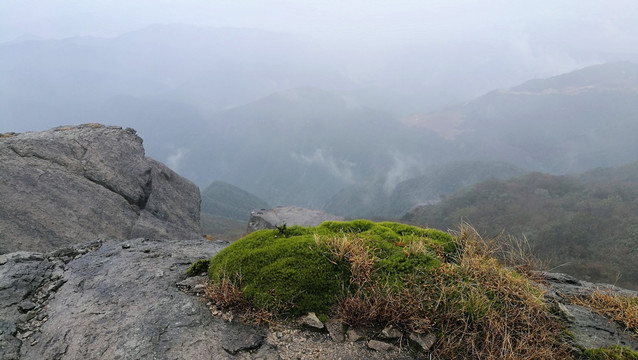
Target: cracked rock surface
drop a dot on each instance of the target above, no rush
(113, 301)
(590, 329)
(70, 184)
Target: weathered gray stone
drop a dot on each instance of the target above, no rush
(116, 302)
(311, 320)
(26, 306)
(355, 335)
(590, 329)
(288, 215)
(67, 185)
(381, 346)
(336, 329)
(423, 341)
(390, 332)
(9, 344)
(172, 210)
(20, 278)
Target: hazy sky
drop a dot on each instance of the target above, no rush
(372, 20)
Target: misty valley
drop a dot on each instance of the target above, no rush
(553, 160)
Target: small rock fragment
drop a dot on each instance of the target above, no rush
(423, 341)
(312, 321)
(241, 339)
(336, 329)
(565, 313)
(390, 332)
(380, 346)
(355, 335)
(26, 306)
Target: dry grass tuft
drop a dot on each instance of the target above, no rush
(480, 308)
(499, 314)
(356, 251)
(622, 309)
(226, 295)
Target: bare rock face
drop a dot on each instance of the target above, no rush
(117, 299)
(288, 215)
(70, 184)
(590, 329)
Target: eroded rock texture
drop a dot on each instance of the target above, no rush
(71, 184)
(116, 299)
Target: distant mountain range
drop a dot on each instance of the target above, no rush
(568, 123)
(225, 210)
(317, 149)
(289, 120)
(223, 199)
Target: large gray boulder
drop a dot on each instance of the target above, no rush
(288, 215)
(68, 184)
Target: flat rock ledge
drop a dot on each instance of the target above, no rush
(590, 329)
(287, 215)
(115, 299)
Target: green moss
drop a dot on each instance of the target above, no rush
(198, 267)
(397, 266)
(293, 273)
(276, 271)
(611, 353)
(354, 226)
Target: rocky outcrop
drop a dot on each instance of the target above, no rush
(590, 329)
(72, 183)
(121, 299)
(117, 299)
(288, 215)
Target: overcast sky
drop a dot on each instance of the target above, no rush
(381, 21)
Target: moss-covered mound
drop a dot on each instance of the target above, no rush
(298, 270)
(467, 291)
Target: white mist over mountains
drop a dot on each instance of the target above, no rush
(298, 100)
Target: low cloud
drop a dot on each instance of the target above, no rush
(341, 169)
(174, 160)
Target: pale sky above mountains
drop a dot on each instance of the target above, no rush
(611, 24)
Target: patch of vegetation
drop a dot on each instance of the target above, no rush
(622, 309)
(611, 353)
(199, 267)
(377, 274)
(276, 271)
